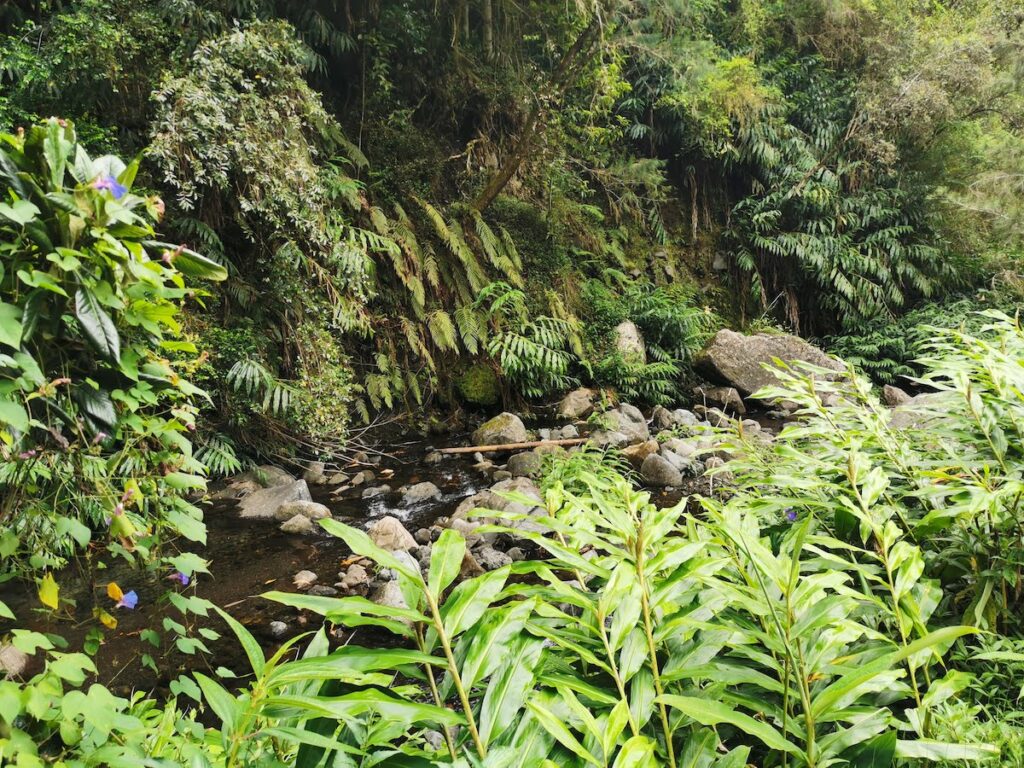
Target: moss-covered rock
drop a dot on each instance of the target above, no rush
(479, 385)
(504, 428)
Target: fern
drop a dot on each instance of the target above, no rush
(218, 455)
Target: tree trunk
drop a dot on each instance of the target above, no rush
(559, 84)
(487, 14)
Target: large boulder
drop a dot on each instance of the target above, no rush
(658, 472)
(627, 420)
(298, 525)
(737, 360)
(389, 534)
(629, 342)
(894, 396)
(526, 464)
(578, 404)
(503, 428)
(265, 502)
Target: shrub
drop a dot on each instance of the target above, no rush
(93, 414)
(479, 385)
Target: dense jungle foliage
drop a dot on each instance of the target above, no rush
(240, 231)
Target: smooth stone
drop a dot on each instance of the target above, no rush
(637, 453)
(419, 493)
(656, 471)
(893, 396)
(526, 464)
(503, 428)
(315, 473)
(309, 509)
(389, 534)
(355, 577)
(628, 420)
(278, 629)
(299, 524)
(304, 579)
(374, 491)
(720, 397)
(322, 590)
(262, 504)
(578, 404)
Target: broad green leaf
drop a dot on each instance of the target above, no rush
(96, 324)
(507, 689)
(923, 749)
(249, 644)
(851, 681)
(710, 712)
(14, 414)
(21, 212)
(361, 544)
(445, 561)
(223, 704)
(638, 752)
(562, 734)
(10, 325)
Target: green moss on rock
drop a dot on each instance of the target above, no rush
(479, 385)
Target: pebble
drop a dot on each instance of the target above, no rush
(297, 525)
(278, 629)
(322, 590)
(304, 579)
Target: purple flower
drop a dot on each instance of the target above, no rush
(180, 577)
(791, 515)
(128, 600)
(100, 437)
(27, 454)
(111, 185)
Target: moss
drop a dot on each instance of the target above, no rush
(479, 385)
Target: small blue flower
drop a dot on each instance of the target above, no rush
(129, 600)
(181, 578)
(111, 185)
(791, 514)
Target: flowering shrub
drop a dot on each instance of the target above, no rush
(94, 418)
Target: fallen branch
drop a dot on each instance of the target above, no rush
(512, 446)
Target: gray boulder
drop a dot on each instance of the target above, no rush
(578, 404)
(737, 360)
(309, 509)
(356, 578)
(265, 502)
(491, 559)
(389, 594)
(304, 579)
(636, 454)
(503, 428)
(526, 464)
(609, 439)
(663, 418)
(627, 420)
(680, 447)
(419, 493)
(374, 491)
(389, 534)
(657, 472)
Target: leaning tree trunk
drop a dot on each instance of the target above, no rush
(560, 82)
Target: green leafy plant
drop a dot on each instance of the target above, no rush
(93, 414)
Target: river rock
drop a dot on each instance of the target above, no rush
(628, 420)
(265, 502)
(304, 579)
(687, 466)
(434, 457)
(721, 397)
(278, 630)
(516, 554)
(374, 491)
(389, 594)
(315, 473)
(503, 428)
(569, 432)
(681, 447)
(637, 453)
(609, 439)
(501, 474)
(268, 476)
(470, 567)
(309, 509)
(921, 410)
(356, 578)
(12, 661)
(629, 342)
(737, 360)
(578, 404)
(663, 418)
(491, 559)
(657, 472)
(893, 396)
(322, 590)
(419, 493)
(297, 525)
(526, 464)
(363, 477)
(422, 535)
(389, 534)
(338, 478)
